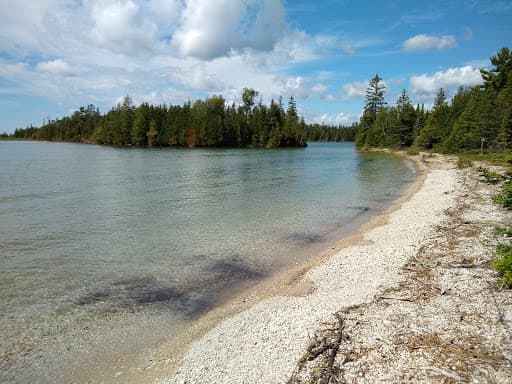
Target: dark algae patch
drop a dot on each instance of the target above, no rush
(192, 299)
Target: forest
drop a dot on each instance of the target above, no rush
(205, 123)
(475, 118)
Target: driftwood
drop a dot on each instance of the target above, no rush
(397, 298)
(328, 375)
(324, 349)
(470, 265)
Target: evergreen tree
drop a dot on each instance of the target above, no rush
(501, 74)
(406, 119)
(436, 125)
(140, 125)
(374, 98)
(504, 139)
(373, 104)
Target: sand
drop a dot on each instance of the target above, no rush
(263, 343)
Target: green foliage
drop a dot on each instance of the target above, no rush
(436, 127)
(504, 138)
(474, 116)
(503, 158)
(489, 177)
(374, 98)
(503, 231)
(505, 197)
(464, 163)
(503, 265)
(205, 123)
(322, 132)
(500, 75)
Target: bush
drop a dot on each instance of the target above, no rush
(505, 197)
(503, 231)
(503, 265)
(413, 152)
(464, 163)
(489, 177)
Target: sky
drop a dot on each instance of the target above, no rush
(58, 55)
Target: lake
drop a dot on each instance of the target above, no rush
(108, 250)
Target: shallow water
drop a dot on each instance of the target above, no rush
(96, 237)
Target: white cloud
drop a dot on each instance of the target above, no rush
(425, 42)
(425, 85)
(294, 83)
(213, 29)
(23, 22)
(55, 67)
(335, 119)
(117, 26)
(12, 71)
(167, 12)
(478, 63)
(93, 51)
(319, 89)
(354, 90)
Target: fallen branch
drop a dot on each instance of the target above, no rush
(329, 372)
(469, 265)
(449, 374)
(397, 298)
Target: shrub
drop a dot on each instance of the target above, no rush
(503, 231)
(413, 152)
(464, 163)
(505, 197)
(489, 177)
(503, 265)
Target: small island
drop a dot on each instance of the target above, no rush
(204, 123)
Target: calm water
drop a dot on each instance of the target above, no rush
(93, 237)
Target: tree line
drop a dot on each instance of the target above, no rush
(205, 123)
(474, 115)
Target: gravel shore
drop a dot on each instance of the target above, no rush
(264, 343)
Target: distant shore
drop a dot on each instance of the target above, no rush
(269, 333)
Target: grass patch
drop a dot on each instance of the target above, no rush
(503, 231)
(413, 152)
(505, 197)
(503, 158)
(489, 177)
(503, 265)
(464, 163)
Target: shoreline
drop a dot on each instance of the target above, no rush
(415, 303)
(164, 359)
(291, 283)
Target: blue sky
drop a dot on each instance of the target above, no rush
(57, 55)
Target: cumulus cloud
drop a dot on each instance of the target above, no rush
(198, 77)
(93, 51)
(420, 43)
(117, 26)
(425, 85)
(354, 90)
(167, 12)
(335, 119)
(212, 29)
(55, 67)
